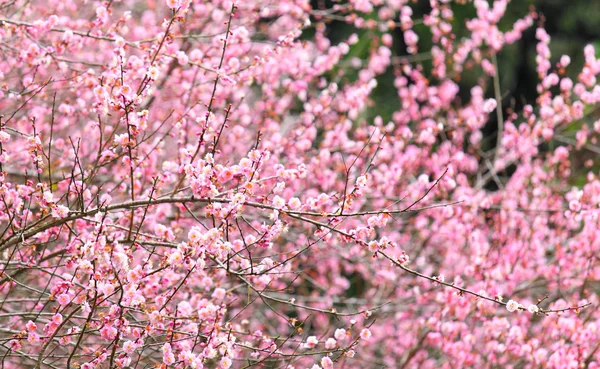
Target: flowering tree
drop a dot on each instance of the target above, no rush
(199, 184)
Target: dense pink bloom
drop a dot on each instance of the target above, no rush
(213, 184)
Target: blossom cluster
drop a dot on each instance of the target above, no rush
(202, 184)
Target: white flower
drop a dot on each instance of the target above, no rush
(361, 181)
(239, 198)
(4, 136)
(122, 139)
(489, 105)
(512, 305)
(294, 203)
(120, 41)
(152, 73)
(182, 58)
(278, 202)
(533, 309)
(340, 334)
(60, 212)
(330, 343)
(48, 197)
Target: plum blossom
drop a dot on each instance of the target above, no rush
(213, 183)
(512, 305)
(311, 342)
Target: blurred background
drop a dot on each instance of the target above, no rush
(571, 24)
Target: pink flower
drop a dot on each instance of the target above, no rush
(33, 338)
(225, 362)
(108, 332)
(168, 355)
(219, 294)
(31, 327)
(14, 345)
(63, 299)
(125, 90)
(326, 363)
(278, 202)
(294, 203)
(129, 347)
(574, 205)
(566, 84)
(57, 319)
(311, 342)
(330, 344)
(365, 334)
(194, 235)
(373, 246)
(182, 57)
(403, 259)
(411, 38)
(174, 4)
